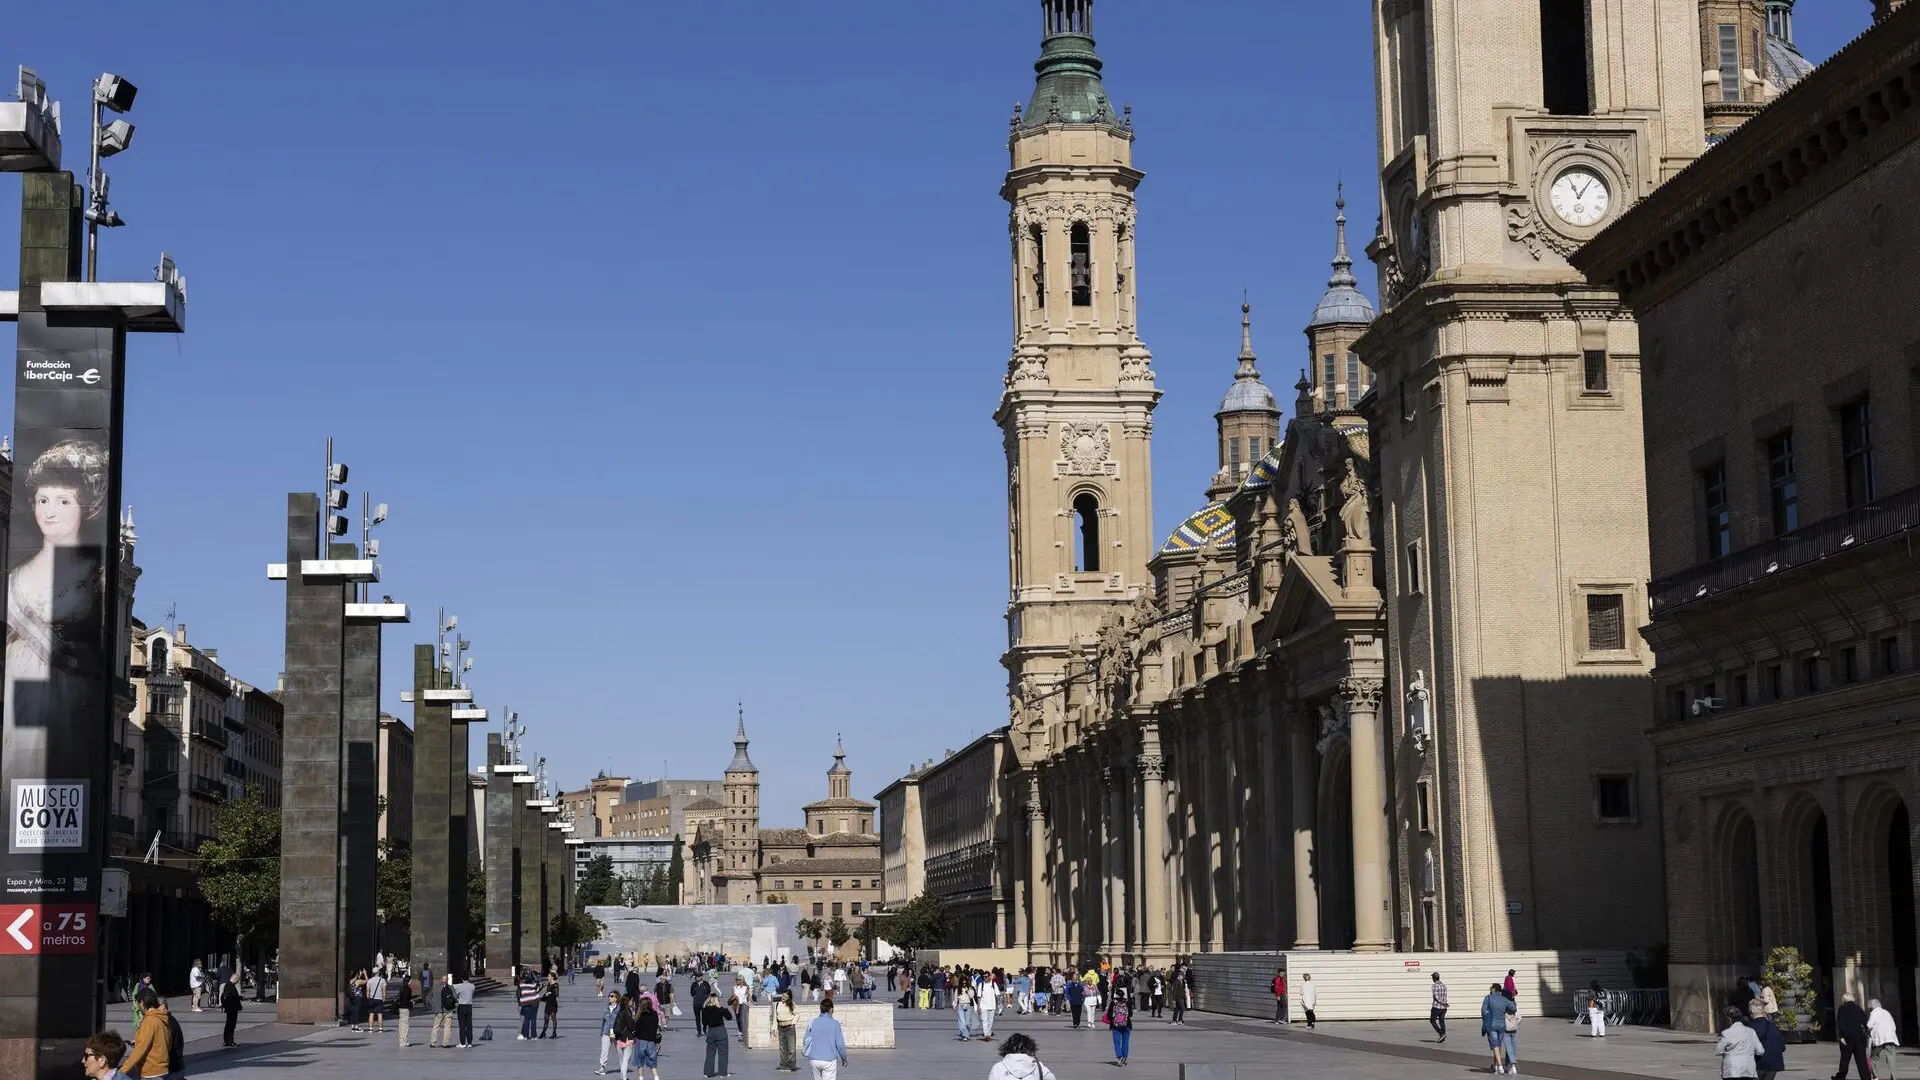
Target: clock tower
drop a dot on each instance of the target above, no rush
(1506, 422)
(1076, 405)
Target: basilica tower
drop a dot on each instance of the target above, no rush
(1076, 413)
(1507, 439)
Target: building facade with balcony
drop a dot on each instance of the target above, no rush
(1774, 286)
(903, 843)
(181, 695)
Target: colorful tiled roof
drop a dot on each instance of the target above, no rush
(1263, 473)
(1213, 524)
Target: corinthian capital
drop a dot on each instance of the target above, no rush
(1361, 693)
(1153, 766)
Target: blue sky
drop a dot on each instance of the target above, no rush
(672, 332)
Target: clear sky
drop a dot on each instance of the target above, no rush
(672, 331)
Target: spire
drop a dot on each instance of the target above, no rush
(741, 762)
(1067, 89)
(1248, 393)
(1342, 262)
(1247, 370)
(839, 756)
(1343, 304)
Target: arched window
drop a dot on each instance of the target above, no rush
(1086, 512)
(1081, 250)
(158, 662)
(1039, 266)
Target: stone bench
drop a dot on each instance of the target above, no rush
(866, 1025)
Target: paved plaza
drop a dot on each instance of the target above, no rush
(927, 1047)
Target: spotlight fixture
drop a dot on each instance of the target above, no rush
(337, 473)
(336, 525)
(337, 499)
(115, 137)
(379, 513)
(114, 92)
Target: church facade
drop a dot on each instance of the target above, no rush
(1385, 689)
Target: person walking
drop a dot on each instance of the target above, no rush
(648, 1023)
(1076, 1002)
(741, 996)
(1157, 992)
(1773, 1045)
(714, 1016)
(1494, 1010)
(230, 1004)
(376, 991)
(442, 1007)
(608, 1021)
(1883, 1040)
(963, 1008)
(786, 1033)
(1511, 988)
(1177, 986)
(197, 983)
(1597, 1011)
(599, 977)
(403, 1006)
(988, 1005)
(619, 1024)
(824, 1045)
(1739, 1048)
(1279, 989)
(1019, 1060)
(356, 1000)
(1850, 1022)
(1120, 1022)
(663, 992)
(1309, 995)
(1437, 1014)
(697, 996)
(152, 1041)
(101, 1056)
(463, 992)
(550, 1007)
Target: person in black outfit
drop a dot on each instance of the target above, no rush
(230, 1004)
(714, 1017)
(550, 1007)
(1850, 1022)
(633, 984)
(663, 990)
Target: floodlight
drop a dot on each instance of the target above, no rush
(373, 549)
(106, 219)
(114, 92)
(115, 137)
(336, 525)
(337, 473)
(379, 513)
(337, 499)
(467, 664)
(446, 649)
(453, 621)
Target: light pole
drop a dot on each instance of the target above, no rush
(110, 91)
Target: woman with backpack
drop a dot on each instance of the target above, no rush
(647, 1025)
(1019, 1060)
(1120, 1019)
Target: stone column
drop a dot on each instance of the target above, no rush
(459, 826)
(1214, 784)
(432, 815)
(1039, 937)
(502, 945)
(312, 984)
(1072, 839)
(1114, 829)
(1272, 856)
(360, 779)
(1372, 904)
(1154, 867)
(1306, 897)
(529, 858)
(1233, 890)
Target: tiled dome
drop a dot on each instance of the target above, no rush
(1212, 524)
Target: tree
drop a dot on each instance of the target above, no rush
(597, 884)
(837, 932)
(921, 923)
(676, 873)
(393, 888)
(572, 929)
(810, 929)
(774, 898)
(476, 908)
(647, 885)
(240, 868)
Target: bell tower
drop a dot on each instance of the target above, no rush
(1076, 410)
(1506, 429)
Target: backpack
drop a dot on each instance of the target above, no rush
(1122, 1014)
(448, 999)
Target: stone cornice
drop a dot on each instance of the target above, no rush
(1852, 110)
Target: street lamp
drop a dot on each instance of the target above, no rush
(113, 92)
(1419, 722)
(370, 516)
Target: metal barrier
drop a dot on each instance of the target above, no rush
(1639, 1007)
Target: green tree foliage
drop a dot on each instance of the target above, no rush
(598, 885)
(476, 907)
(810, 929)
(393, 888)
(921, 923)
(240, 868)
(838, 932)
(677, 873)
(572, 929)
(649, 885)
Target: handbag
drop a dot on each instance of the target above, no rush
(1513, 1021)
(676, 1010)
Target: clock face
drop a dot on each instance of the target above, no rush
(1580, 197)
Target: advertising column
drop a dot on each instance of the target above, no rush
(61, 574)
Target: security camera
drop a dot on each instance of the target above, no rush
(1703, 706)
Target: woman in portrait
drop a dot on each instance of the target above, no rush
(55, 597)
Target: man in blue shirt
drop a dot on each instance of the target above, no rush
(824, 1045)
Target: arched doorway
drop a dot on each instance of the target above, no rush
(1333, 847)
(1806, 861)
(1740, 870)
(1886, 832)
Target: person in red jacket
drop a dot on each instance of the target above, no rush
(1280, 996)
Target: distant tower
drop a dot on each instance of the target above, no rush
(1339, 380)
(839, 778)
(741, 841)
(1249, 417)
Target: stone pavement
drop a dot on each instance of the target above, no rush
(927, 1047)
